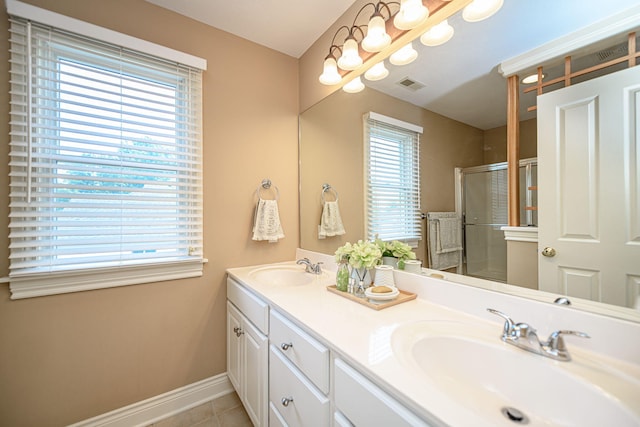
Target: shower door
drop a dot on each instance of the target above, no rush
(484, 213)
(483, 193)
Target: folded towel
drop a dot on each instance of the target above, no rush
(443, 251)
(330, 221)
(448, 235)
(266, 224)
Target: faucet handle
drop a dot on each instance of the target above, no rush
(318, 268)
(509, 325)
(556, 343)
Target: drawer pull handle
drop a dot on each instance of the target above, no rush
(286, 346)
(286, 400)
(238, 331)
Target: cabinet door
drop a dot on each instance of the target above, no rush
(234, 347)
(255, 374)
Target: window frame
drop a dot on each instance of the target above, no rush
(40, 283)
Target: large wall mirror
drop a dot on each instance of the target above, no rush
(456, 93)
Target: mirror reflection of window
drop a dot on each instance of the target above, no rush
(392, 167)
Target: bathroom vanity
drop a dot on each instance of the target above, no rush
(300, 355)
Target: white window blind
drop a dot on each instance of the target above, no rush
(105, 164)
(392, 165)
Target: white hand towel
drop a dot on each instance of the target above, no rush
(330, 222)
(267, 222)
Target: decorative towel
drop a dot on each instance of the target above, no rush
(266, 225)
(444, 247)
(330, 222)
(448, 235)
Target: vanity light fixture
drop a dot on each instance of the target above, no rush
(377, 72)
(354, 86)
(405, 55)
(533, 78)
(479, 10)
(350, 59)
(330, 75)
(438, 34)
(377, 37)
(412, 13)
(408, 15)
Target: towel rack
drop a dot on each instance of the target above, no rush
(266, 185)
(327, 187)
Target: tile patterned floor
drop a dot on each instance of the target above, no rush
(225, 411)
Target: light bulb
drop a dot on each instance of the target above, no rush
(478, 10)
(330, 75)
(354, 86)
(438, 34)
(350, 59)
(377, 72)
(404, 55)
(411, 14)
(377, 37)
(533, 78)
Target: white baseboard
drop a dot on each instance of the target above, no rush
(164, 405)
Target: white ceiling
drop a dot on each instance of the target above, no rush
(288, 26)
(460, 77)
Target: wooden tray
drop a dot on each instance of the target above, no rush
(403, 297)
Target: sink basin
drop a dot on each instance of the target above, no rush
(499, 382)
(285, 275)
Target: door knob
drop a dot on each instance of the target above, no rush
(549, 252)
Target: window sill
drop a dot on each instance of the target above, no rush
(62, 283)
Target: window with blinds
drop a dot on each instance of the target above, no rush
(105, 164)
(392, 165)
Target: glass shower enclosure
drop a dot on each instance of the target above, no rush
(482, 202)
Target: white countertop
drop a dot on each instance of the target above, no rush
(364, 337)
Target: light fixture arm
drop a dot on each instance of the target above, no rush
(332, 48)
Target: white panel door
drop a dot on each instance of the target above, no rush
(588, 181)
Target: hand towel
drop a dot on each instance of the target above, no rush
(442, 260)
(330, 221)
(448, 235)
(267, 221)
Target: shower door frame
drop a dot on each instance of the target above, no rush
(459, 196)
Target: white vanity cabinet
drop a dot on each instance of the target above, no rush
(298, 375)
(247, 350)
(363, 403)
(288, 375)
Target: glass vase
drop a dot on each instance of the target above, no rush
(342, 277)
(362, 280)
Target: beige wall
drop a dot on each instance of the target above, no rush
(69, 357)
(331, 151)
(522, 264)
(495, 142)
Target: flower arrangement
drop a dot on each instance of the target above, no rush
(363, 254)
(396, 249)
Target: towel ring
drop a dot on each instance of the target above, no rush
(266, 184)
(327, 187)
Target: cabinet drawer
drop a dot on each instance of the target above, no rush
(365, 404)
(308, 405)
(311, 357)
(254, 309)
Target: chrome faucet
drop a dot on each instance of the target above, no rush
(311, 268)
(524, 336)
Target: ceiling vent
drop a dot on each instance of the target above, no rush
(409, 83)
